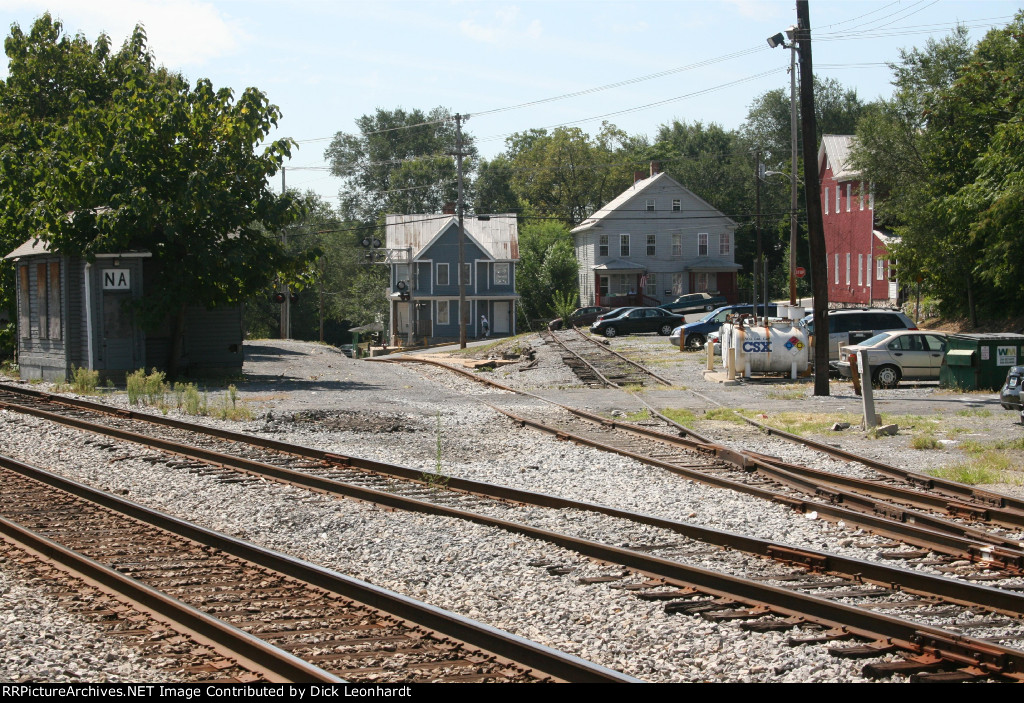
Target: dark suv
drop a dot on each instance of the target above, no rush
(694, 334)
(634, 320)
(694, 302)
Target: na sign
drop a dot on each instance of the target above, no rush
(117, 279)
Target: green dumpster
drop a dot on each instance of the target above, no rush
(980, 361)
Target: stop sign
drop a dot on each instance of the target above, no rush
(800, 271)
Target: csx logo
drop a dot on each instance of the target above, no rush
(762, 347)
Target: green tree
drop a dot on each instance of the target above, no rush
(399, 162)
(547, 266)
(103, 152)
(567, 174)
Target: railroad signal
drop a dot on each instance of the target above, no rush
(294, 297)
(279, 297)
(374, 253)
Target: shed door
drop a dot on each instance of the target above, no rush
(118, 344)
(502, 318)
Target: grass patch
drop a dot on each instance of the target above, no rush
(684, 417)
(799, 423)
(974, 412)
(638, 416)
(924, 441)
(84, 381)
(791, 391)
(724, 415)
(512, 345)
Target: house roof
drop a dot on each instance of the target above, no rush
(837, 147)
(498, 235)
(30, 248)
(705, 264)
(885, 236)
(619, 265)
(636, 189)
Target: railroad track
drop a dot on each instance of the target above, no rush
(596, 364)
(848, 598)
(286, 618)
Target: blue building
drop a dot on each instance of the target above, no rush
(425, 267)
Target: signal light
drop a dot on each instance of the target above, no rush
(279, 297)
(294, 298)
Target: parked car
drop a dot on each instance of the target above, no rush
(346, 349)
(1009, 396)
(694, 302)
(695, 334)
(896, 356)
(580, 317)
(867, 322)
(634, 320)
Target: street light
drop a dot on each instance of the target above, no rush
(774, 41)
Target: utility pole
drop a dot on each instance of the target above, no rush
(758, 175)
(793, 175)
(815, 226)
(286, 306)
(463, 317)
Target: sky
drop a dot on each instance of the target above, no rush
(637, 65)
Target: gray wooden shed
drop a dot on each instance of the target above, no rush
(72, 313)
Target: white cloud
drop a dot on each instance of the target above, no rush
(503, 28)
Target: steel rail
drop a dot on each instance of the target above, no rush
(984, 657)
(986, 597)
(520, 650)
(994, 500)
(948, 541)
(250, 651)
(957, 591)
(607, 350)
(894, 521)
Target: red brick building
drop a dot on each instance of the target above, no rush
(860, 272)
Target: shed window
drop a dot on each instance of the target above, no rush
(53, 304)
(23, 303)
(41, 300)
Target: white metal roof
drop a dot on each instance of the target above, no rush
(498, 235)
(837, 147)
(30, 248)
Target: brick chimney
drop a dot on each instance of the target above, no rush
(655, 168)
(639, 176)
(448, 209)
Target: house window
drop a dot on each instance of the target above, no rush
(826, 201)
(677, 245)
(652, 244)
(863, 194)
(836, 269)
(442, 312)
(621, 281)
(839, 196)
(724, 244)
(677, 205)
(623, 245)
(677, 284)
(860, 262)
(467, 274)
(879, 269)
(650, 205)
(651, 287)
(847, 269)
(871, 197)
(705, 282)
(501, 274)
(602, 245)
(702, 244)
(442, 274)
(849, 187)
(23, 303)
(605, 285)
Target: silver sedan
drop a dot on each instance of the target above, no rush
(912, 355)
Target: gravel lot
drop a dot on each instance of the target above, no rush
(313, 394)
